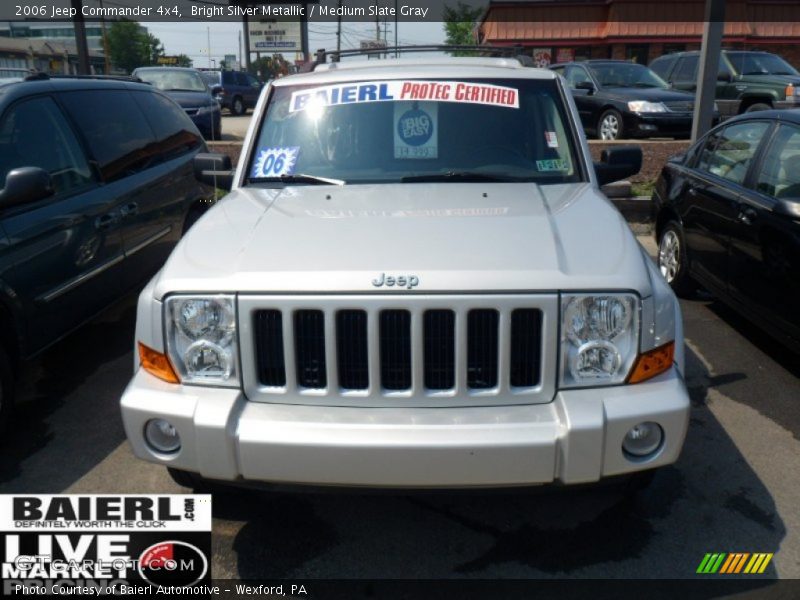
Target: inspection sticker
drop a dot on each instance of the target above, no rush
(552, 140)
(554, 164)
(416, 130)
(392, 91)
(274, 162)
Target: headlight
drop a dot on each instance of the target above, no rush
(643, 106)
(204, 110)
(201, 339)
(599, 338)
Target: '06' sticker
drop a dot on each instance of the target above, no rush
(274, 162)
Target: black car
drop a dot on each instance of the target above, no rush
(188, 89)
(728, 218)
(619, 99)
(234, 90)
(98, 186)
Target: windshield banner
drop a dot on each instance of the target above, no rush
(401, 90)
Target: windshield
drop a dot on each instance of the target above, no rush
(210, 77)
(626, 75)
(172, 80)
(414, 130)
(760, 64)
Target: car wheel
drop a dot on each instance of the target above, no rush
(758, 106)
(609, 127)
(238, 107)
(673, 260)
(6, 389)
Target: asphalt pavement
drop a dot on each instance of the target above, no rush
(735, 487)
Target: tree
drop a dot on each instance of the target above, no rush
(130, 46)
(459, 25)
(184, 61)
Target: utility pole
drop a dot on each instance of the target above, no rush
(339, 28)
(396, 23)
(80, 39)
(246, 27)
(708, 68)
(377, 34)
(208, 34)
(240, 50)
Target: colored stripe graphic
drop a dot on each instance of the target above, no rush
(711, 563)
(734, 563)
(758, 564)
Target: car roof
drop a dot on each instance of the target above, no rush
(13, 91)
(420, 67)
(165, 68)
(595, 61)
(788, 116)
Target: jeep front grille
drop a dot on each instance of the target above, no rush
(392, 351)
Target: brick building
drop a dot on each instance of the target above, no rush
(640, 30)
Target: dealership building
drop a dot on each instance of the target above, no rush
(638, 30)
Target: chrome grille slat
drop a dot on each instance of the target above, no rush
(415, 351)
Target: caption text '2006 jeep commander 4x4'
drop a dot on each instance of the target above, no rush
(415, 282)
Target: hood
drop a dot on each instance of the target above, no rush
(770, 78)
(451, 236)
(649, 94)
(191, 99)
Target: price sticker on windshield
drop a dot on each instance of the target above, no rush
(275, 162)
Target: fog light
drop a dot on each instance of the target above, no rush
(643, 439)
(162, 436)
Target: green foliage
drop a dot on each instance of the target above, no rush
(459, 26)
(184, 61)
(270, 67)
(130, 47)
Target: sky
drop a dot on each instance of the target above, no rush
(193, 39)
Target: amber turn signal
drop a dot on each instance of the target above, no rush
(652, 363)
(157, 364)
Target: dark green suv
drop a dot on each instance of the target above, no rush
(747, 80)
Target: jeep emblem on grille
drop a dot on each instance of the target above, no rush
(406, 281)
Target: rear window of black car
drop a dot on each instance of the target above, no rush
(175, 133)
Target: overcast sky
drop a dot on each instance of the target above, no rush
(192, 39)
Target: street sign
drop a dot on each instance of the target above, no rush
(373, 44)
(275, 36)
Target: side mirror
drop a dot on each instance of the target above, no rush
(214, 170)
(788, 207)
(724, 76)
(585, 85)
(25, 185)
(618, 163)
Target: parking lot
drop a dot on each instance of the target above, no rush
(734, 489)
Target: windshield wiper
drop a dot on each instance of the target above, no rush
(299, 178)
(462, 176)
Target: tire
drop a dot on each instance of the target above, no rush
(237, 106)
(758, 106)
(610, 126)
(673, 262)
(6, 389)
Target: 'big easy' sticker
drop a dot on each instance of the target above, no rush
(274, 162)
(416, 130)
(398, 90)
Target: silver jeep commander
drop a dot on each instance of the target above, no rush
(414, 282)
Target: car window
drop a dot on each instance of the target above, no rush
(735, 150)
(753, 63)
(401, 130)
(779, 175)
(211, 78)
(175, 133)
(660, 66)
(173, 80)
(252, 81)
(686, 69)
(576, 75)
(241, 79)
(624, 74)
(705, 150)
(227, 77)
(119, 136)
(35, 133)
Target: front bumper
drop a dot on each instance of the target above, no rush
(576, 438)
